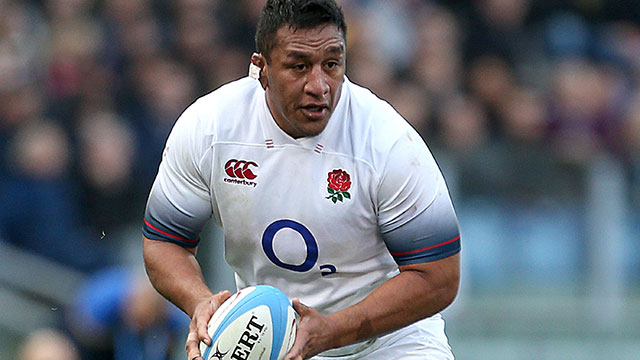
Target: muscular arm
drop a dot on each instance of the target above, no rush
(419, 291)
(175, 273)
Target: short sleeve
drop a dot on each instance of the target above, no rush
(415, 213)
(179, 204)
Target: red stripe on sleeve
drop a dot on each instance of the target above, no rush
(428, 247)
(167, 234)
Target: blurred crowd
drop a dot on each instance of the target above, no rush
(514, 92)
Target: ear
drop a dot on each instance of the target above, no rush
(260, 62)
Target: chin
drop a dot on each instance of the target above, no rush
(313, 129)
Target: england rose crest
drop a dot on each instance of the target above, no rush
(339, 182)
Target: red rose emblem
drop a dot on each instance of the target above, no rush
(339, 182)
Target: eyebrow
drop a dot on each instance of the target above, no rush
(337, 49)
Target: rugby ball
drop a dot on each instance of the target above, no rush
(256, 323)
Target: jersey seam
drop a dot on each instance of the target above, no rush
(361, 160)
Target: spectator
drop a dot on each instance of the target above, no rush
(110, 191)
(19, 106)
(497, 27)
(162, 90)
(118, 315)
(438, 58)
(47, 344)
(491, 80)
(459, 117)
(414, 104)
(631, 137)
(463, 132)
(583, 115)
(39, 209)
(196, 39)
(75, 40)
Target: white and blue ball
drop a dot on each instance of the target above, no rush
(256, 323)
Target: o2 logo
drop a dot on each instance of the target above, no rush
(311, 244)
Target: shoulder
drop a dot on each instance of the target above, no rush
(227, 100)
(376, 127)
(375, 114)
(205, 117)
(241, 90)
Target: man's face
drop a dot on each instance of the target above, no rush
(304, 78)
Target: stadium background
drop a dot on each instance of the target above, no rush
(532, 109)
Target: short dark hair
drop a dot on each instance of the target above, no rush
(298, 14)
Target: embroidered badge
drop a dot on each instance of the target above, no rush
(241, 172)
(339, 182)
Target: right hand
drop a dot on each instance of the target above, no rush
(199, 321)
(314, 334)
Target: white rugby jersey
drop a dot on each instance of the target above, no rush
(327, 218)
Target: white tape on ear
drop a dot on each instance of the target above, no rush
(254, 71)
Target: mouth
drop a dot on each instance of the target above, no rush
(314, 112)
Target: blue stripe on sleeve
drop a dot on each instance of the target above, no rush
(429, 253)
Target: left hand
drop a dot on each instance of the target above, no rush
(314, 335)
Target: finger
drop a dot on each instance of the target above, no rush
(296, 351)
(217, 300)
(203, 320)
(224, 295)
(293, 356)
(201, 331)
(192, 347)
(299, 307)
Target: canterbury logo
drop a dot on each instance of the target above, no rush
(240, 169)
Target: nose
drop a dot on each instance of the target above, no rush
(317, 84)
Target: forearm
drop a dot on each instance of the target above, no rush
(416, 293)
(175, 273)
